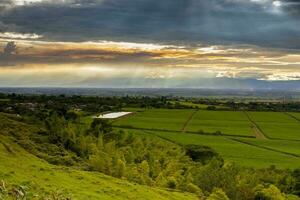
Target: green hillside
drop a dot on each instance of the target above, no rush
(18, 167)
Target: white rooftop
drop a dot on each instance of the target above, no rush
(113, 115)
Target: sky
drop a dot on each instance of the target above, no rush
(149, 43)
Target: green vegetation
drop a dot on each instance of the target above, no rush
(199, 105)
(227, 122)
(51, 147)
(18, 168)
(296, 115)
(160, 119)
(247, 152)
(277, 125)
(231, 150)
(285, 146)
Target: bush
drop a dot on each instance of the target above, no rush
(218, 194)
(198, 153)
(192, 188)
(270, 193)
(172, 183)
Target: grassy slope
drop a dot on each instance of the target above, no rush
(242, 154)
(17, 166)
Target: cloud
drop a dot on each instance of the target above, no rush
(10, 49)
(211, 22)
(152, 61)
(12, 35)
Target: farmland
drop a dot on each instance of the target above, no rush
(277, 125)
(230, 133)
(227, 122)
(161, 119)
(243, 154)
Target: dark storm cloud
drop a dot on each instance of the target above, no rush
(292, 6)
(167, 21)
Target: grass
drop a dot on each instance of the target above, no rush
(296, 115)
(242, 154)
(162, 119)
(20, 167)
(228, 122)
(277, 125)
(244, 151)
(291, 147)
(272, 117)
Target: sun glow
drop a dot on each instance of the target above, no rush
(277, 3)
(25, 2)
(13, 35)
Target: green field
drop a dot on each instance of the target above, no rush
(238, 143)
(21, 168)
(243, 154)
(296, 115)
(162, 119)
(272, 117)
(290, 147)
(228, 122)
(277, 125)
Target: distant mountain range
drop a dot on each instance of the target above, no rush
(203, 83)
(220, 87)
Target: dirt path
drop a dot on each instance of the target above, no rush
(188, 120)
(256, 130)
(292, 116)
(266, 148)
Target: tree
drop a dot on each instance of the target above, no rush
(172, 183)
(120, 168)
(270, 193)
(194, 189)
(100, 144)
(144, 166)
(72, 115)
(296, 176)
(218, 194)
(200, 153)
(100, 126)
(56, 128)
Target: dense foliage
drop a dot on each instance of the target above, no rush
(17, 103)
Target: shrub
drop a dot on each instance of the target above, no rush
(172, 183)
(270, 193)
(218, 194)
(194, 189)
(200, 153)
